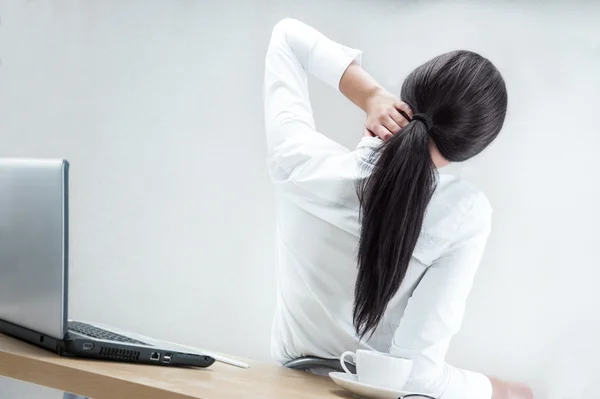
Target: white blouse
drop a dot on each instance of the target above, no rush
(318, 231)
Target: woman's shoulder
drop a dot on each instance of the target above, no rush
(458, 205)
(461, 194)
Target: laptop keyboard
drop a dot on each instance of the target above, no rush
(99, 333)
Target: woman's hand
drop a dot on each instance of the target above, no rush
(509, 390)
(383, 114)
(382, 107)
(520, 391)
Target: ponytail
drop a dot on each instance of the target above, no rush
(393, 200)
(465, 95)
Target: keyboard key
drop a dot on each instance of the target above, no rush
(99, 333)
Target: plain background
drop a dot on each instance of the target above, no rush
(157, 104)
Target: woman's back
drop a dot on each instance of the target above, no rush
(318, 231)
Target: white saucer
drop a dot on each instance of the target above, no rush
(350, 383)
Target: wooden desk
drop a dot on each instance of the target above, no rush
(104, 380)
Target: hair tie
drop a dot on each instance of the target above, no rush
(425, 119)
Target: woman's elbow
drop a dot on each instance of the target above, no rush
(282, 27)
(428, 377)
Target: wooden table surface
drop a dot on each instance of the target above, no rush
(109, 380)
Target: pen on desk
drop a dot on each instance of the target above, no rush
(217, 357)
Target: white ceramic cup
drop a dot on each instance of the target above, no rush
(379, 369)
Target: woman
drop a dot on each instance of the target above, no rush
(417, 237)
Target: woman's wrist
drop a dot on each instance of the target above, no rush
(360, 87)
(372, 97)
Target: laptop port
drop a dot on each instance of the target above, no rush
(87, 346)
(155, 356)
(167, 358)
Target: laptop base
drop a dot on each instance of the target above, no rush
(80, 346)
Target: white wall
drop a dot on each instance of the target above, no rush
(157, 104)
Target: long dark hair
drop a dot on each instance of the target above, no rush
(464, 96)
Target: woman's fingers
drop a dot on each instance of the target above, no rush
(391, 125)
(404, 107)
(388, 119)
(382, 132)
(398, 118)
(384, 128)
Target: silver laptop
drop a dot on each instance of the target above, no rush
(34, 273)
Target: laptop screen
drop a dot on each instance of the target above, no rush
(33, 244)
